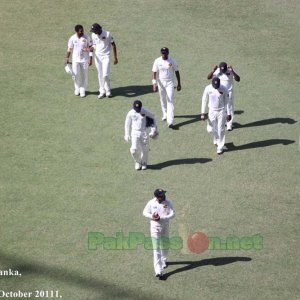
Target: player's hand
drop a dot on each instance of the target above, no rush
(178, 87)
(230, 68)
(127, 138)
(66, 61)
(90, 61)
(154, 87)
(228, 118)
(202, 117)
(155, 216)
(115, 61)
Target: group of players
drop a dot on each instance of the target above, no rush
(218, 95)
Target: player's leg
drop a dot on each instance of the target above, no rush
(165, 244)
(98, 64)
(145, 150)
(221, 120)
(163, 101)
(106, 74)
(75, 68)
(212, 126)
(135, 151)
(157, 261)
(84, 78)
(231, 105)
(170, 102)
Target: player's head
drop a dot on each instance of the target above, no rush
(164, 52)
(79, 30)
(137, 105)
(96, 28)
(215, 82)
(160, 195)
(223, 67)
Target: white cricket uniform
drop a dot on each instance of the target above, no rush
(218, 104)
(159, 230)
(139, 138)
(80, 61)
(226, 79)
(165, 81)
(102, 45)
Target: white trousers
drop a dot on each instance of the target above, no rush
(231, 107)
(216, 127)
(139, 147)
(80, 71)
(102, 64)
(166, 94)
(160, 245)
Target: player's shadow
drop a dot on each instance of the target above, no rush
(265, 122)
(132, 91)
(192, 119)
(101, 286)
(218, 261)
(174, 162)
(259, 144)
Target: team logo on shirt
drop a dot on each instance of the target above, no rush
(83, 41)
(165, 206)
(170, 65)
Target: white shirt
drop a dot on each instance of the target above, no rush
(77, 45)
(225, 78)
(165, 68)
(164, 209)
(102, 43)
(137, 121)
(217, 99)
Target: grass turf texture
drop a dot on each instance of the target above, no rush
(65, 169)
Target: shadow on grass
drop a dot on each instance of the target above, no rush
(174, 162)
(218, 261)
(259, 144)
(265, 122)
(105, 287)
(132, 90)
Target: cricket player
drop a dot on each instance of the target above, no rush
(163, 77)
(136, 120)
(226, 75)
(79, 45)
(216, 96)
(159, 210)
(102, 44)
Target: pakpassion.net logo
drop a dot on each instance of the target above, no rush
(197, 242)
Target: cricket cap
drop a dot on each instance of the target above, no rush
(159, 193)
(164, 50)
(215, 82)
(95, 28)
(137, 105)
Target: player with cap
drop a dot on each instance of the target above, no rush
(159, 210)
(137, 120)
(216, 96)
(102, 44)
(226, 75)
(163, 77)
(79, 45)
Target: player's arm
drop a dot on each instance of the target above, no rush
(128, 122)
(178, 80)
(91, 50)
(235, 75)
(171, 213)
(147, 212)
(228, 105)
(204, 103)
(211, 74)
(69, 51)
(154, 81)
(114, 46)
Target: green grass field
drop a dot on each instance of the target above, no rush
(66, 169)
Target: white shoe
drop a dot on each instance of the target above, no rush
(144, 166)
(101, 96)
(82, 92)
(109, 95)
(76, 92)
(220, 151)
(137, 166)
(229, 128)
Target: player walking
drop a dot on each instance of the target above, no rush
(163, 77)
(159, 210)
